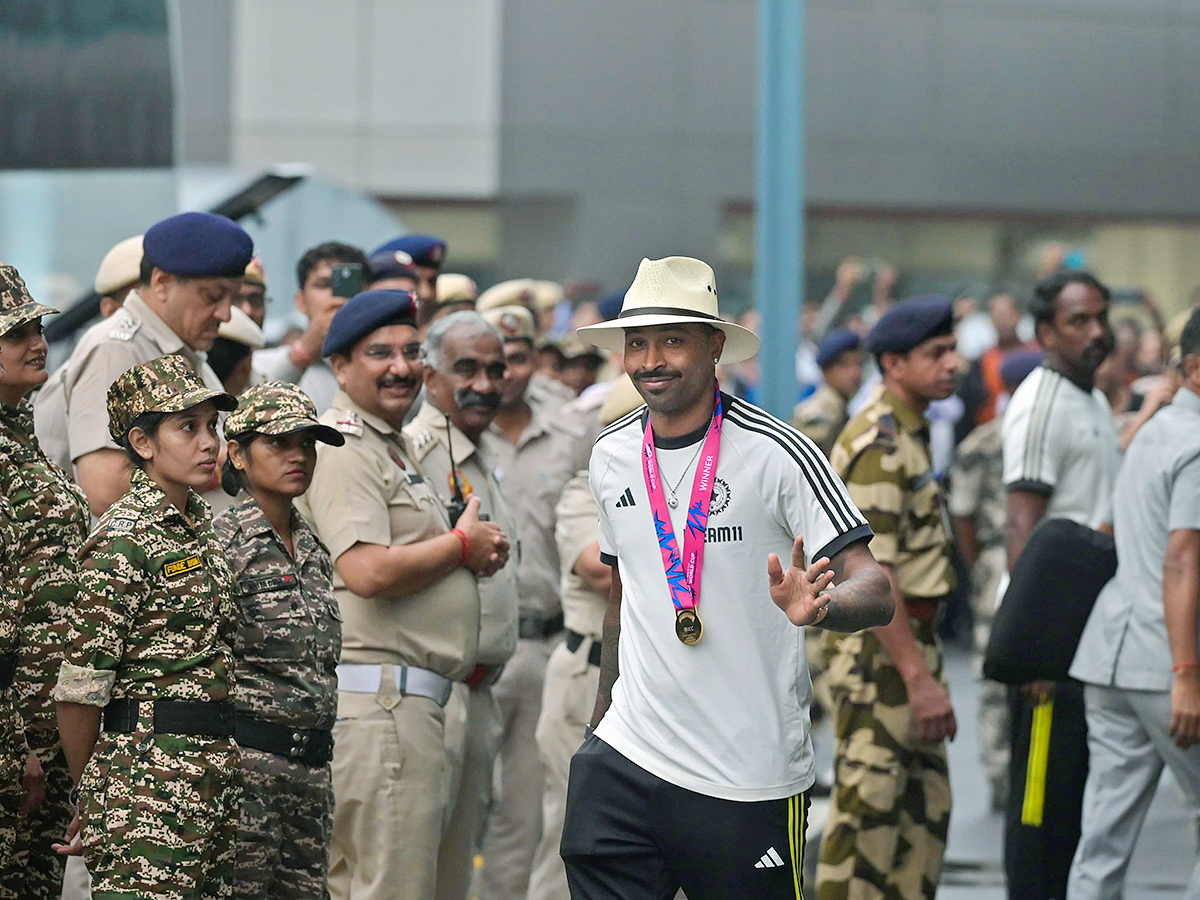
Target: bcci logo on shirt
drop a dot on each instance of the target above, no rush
(720, 497)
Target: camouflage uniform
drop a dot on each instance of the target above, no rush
(820, 418)
(287, 648)
(887, 827)
(156, 618)
(977, 492)
(13, 748)
(49, 521)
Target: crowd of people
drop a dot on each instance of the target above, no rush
(380, 611)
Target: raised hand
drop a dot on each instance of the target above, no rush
(801, 593)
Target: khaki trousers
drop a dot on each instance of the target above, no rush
(472, 725)
(568, 700)
(515, 824)
(389, 786)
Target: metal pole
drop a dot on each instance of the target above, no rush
(779, 197)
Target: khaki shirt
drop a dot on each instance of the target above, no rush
(547, 394)
(531, 474)
(884, 459)
(575, 530)
(821, 417)
(131, 336)
(370, 491)
(498, 602)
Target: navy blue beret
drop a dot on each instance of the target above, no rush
(835, 344)
(391, 264)
(425, 249)
(610, 305)
(1017, 364)
(910, 322)
(363, 314)
(199, 245)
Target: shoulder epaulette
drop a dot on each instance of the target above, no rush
(422, 442)
(348, 422)
(124, 328)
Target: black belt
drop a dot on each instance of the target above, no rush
(211, 719)
(530, 628)
(311, 746)
(575, 639)
(8, 669)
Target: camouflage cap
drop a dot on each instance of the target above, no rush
(278, 408)
(16, 305)
(168, 384)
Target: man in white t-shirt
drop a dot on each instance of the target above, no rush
(697, 772)
(1060, 461)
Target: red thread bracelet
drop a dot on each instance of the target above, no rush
(1186, 667)
(466, 545)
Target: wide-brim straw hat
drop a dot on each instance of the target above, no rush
(667, 292)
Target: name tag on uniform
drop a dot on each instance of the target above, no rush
(259, 584)
(414, 478)
(178, 567)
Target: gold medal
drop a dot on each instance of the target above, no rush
(688, 627)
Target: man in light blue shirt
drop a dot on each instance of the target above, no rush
(1138, 656)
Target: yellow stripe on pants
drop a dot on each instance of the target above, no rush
(1039, 756)
(797, 815)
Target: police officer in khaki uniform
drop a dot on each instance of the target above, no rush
(191, 269)
(887, 828)
(573, 672)
(534, 461)
(405, 581)
(463, 374)
(119, 273)
(544, 392)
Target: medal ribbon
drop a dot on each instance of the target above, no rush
(683, 574)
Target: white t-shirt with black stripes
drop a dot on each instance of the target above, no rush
(727, 717)
(1061, 440)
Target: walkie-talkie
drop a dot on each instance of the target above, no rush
(458, 504)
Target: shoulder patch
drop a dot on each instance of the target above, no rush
(348, 422)
(124, 328)
(887, 425)
(123, 524)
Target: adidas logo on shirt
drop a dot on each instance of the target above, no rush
(770, 860)
(626, 500)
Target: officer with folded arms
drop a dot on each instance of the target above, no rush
(159, 780)
(289, 638)
(405, 581)
(464, 370)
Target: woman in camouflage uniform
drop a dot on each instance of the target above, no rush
(159, 789)
(287, 648)
(49, 521)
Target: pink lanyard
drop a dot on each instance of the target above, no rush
(683, 575)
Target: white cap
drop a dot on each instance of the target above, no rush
(121, 267)
(242, 328)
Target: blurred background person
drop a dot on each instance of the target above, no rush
(252, 295)
(426, 253)
(232, 353)
(300, 361)
(822, 416)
